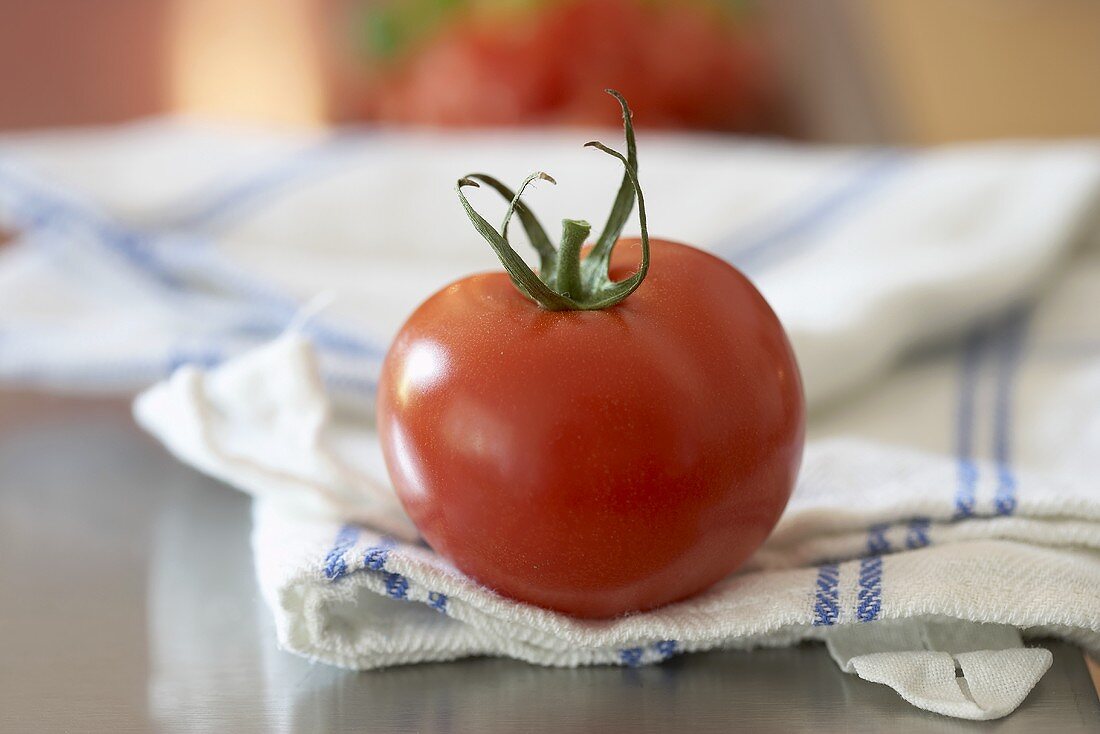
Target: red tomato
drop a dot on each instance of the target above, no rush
(596, 462)
(684, 64)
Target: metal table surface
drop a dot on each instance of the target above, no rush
(128, 603)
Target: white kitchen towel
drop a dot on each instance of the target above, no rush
(145, 247)
(354, 596)
(968, 670)
(949, 490)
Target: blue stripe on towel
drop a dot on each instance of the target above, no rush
(633, 657)
(169, 268)
(826, 595)
(789, 236)
(249, 193)
(877, 543)
(1009, 353)
(376, 556)
(667, 648)
(916, 535)
(335, 565)
(437, 601)
(204, 358)
(966, 489)
(869, 598)
(397, 586)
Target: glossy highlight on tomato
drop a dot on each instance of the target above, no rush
(589, 458)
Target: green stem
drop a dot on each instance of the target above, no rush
(573, 234)
(520, 272)
(535, 233)
(565, 280)
(624, 199)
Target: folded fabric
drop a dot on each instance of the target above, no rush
(873, 534)
(942, 305)
(152, 246)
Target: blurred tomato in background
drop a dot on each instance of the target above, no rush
(856, 71)
(682, 63)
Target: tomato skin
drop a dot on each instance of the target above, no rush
(596, 462)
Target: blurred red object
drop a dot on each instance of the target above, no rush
(691, 63)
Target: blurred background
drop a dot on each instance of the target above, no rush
(835, 71)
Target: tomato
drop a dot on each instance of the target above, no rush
(600, 461)
(684, 64)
